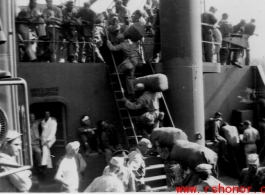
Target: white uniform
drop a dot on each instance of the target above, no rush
(49, 129)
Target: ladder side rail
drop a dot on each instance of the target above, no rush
(163, 98)
(119, 80)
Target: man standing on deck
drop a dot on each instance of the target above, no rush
(49, 128)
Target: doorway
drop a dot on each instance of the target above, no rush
(58, 111)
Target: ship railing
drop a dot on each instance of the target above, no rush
(60, 45)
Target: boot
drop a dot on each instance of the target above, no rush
(4, 74)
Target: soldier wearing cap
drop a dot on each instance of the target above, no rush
(89, 136)
(28, 21)
(70, 24)
(131, 60)
(126, 175)
(149, 101)
(204, 172)
(53, 17)
(69, 168)
(110, 139)
(250, 138)
(17, 182)
(237, 50)
(127, 23)
(109, 181)
(248, 175)
(85, 32)
(121, 10)
(209, 19)
(212, 133)
(136, 160)
(226, 28)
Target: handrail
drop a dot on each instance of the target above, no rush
(15, 171)
(163, 98)
(122, 90)
(20, 81)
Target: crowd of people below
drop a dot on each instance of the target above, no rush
(62, 33)
(214, 34)
(186, 163)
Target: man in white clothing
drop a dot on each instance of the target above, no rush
(49, 128)
(136, 160)
(108, 182)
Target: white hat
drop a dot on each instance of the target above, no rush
(117, 161)
(85, 118)
(72, 146)
(145, 142)
(12, 134)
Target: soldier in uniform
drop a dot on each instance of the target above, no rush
(53, 18)
(88, 135)
(209, 19)
(85, 33)
(121, 10)
(70, 24)
(249, 30)
(131, 55)
(238, 50)
(225, 28)
(29, 18)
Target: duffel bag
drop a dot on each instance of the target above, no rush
(155, 82)
(193, 154)
(167, 136)
(135, 32)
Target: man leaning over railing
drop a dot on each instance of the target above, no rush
(70, 23)
(85, 32)
(53, 18)
(28, 19)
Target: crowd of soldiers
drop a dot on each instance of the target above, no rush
(214, 31)
(62, 33)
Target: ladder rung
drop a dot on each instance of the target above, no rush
(132, 117)
(115, 74)
(132, 137)
(117, 91)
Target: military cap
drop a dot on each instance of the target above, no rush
(68, 2)
(87, 2)
(117, 161)
(247, 122)
(218, 114)
(72, 146)
(121, 153)
(145, 142)
(12, 134)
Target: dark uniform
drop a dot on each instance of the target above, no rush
(225, 28)
(70, 24)
(89, 138)
(208, 18)
(110, 140)
(237, 52)
(86, 33)
(53, 30)
(249, 30)
(132, 58)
